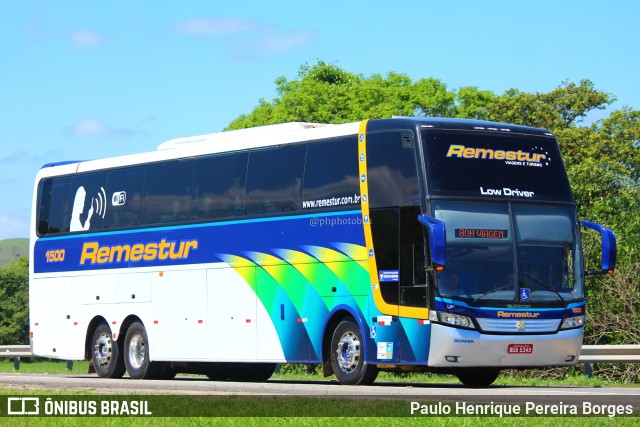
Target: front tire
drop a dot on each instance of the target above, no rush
(106, 358)
(136, 354)
(347, 356)
(477, 377)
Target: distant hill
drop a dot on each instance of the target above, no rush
(12, 249)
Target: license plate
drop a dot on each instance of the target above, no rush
(520, 349)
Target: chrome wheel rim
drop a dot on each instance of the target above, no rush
(137, 351)
(348, 352)
(103, 350)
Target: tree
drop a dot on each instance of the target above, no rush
(563, 107)
(14, 303)
(602, 159)
(603, 162)
(325, 93)
(473, 103)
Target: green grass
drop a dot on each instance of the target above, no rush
(344, 411)
(323, 421)
(575, 380)
(39, 366)
(297, 373)
(354, 412)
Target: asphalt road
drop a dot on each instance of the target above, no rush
(193, 385)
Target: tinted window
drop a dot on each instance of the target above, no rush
(167, 192)
(384, 227)
(88, 201)
(494, 166)
(124, 192)
(54, 211)
(274, 180)
(219, 186)
(393, 180)
(331, 175)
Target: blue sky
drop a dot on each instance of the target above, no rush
(92, 79)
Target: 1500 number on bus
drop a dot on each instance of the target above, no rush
(55, 256)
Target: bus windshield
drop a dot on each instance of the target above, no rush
(511, 253)
(494, 165)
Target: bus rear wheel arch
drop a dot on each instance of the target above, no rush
(106, 357)
(348, 356)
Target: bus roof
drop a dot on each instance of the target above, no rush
(241, 134)
(281, 134)
(237, 140)
(446, 123)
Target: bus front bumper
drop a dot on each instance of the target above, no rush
(460, 348)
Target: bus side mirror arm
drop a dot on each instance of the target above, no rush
(437, 240)
(609, 248)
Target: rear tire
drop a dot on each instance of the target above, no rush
(136, 354)
(477, 377)
(347, 356)
(106, 358)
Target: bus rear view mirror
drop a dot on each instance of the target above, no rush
(609, 248)
(437, 240)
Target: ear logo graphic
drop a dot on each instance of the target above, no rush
(99, 203)
(97, 206)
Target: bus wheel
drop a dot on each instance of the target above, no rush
(477, 377)
(347, 356)
(136, 354)
(107, 360)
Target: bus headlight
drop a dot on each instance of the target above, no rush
(451, 319)
(573, 322)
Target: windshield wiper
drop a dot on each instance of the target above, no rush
(546, 286)
(499, 288)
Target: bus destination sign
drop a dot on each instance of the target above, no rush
(481, 233)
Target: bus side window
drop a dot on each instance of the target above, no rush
(331, 175)
(219, 185)
(393, 180)
(274, 180)
(124, 195)
(88, 202)
(54, 214)
(167, 192)
(44, 206)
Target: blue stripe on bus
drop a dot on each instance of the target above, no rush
(201, 243)
(200, 225)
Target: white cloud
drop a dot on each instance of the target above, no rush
(85, 39)
(246, 39)
(273, 43)
(13, 227)
(93, 127)
(213, 26)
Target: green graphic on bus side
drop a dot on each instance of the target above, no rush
(312, 285)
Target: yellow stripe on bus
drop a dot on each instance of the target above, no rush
(381, 304)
